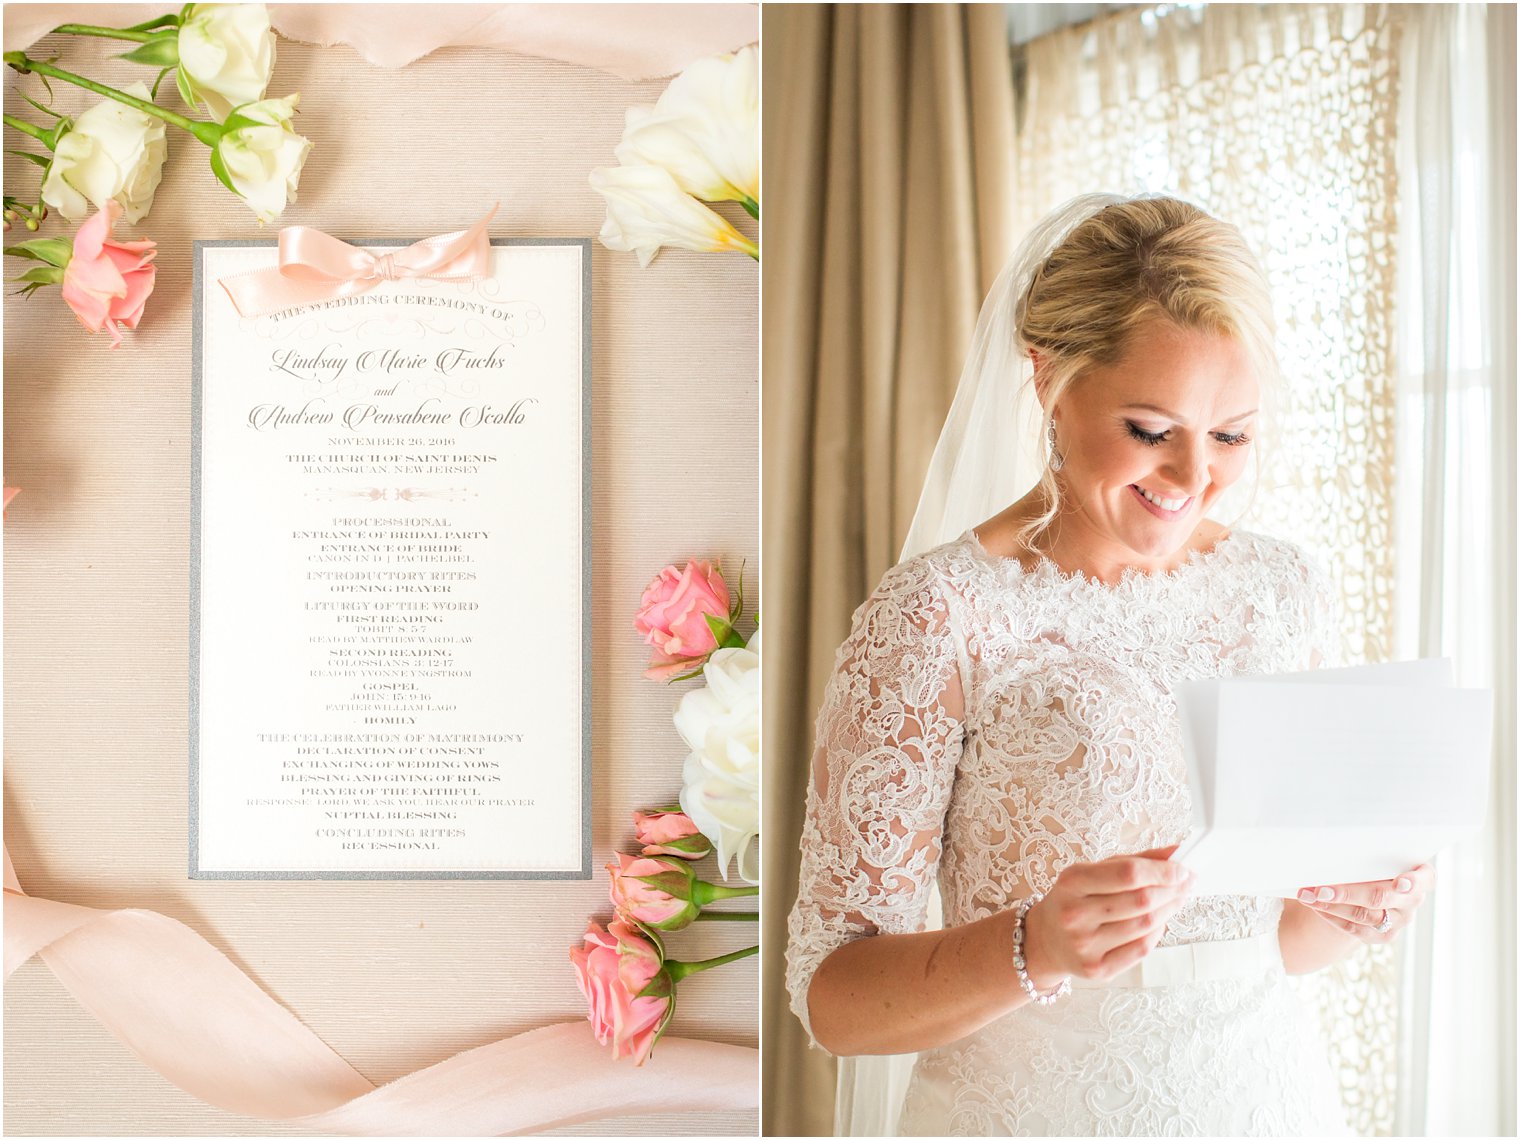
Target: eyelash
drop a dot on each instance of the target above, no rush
(1152, 439)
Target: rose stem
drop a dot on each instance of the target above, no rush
(208, 133)
(103, 33)
(679, 970)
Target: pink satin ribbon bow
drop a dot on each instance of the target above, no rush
(315, 266)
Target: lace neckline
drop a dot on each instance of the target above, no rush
(1046, 571)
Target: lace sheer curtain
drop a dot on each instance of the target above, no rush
(1281, 118)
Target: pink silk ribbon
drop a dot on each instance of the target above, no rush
(631, 41)
(186, 1011)
(315, 266)
(638, 41)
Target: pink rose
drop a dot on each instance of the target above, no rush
(612, 968)
(673, 617)
(105, 281)
(656, 892)
(670, 833)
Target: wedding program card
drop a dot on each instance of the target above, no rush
(389, 579)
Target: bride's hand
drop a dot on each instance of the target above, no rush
(1374, 912)
(1101, 918)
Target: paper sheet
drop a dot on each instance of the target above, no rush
(1330, 776)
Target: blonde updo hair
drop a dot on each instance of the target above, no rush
(1123, 267)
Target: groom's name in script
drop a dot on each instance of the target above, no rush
(272, 417)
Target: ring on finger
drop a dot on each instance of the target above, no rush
(1385, 924)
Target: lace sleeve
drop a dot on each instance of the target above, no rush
(888, 739)
(1327, 641)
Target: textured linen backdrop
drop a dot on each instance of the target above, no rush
(1281, 119)
(394, 976)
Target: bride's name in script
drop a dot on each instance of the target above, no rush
(272, 417)
(328, 363)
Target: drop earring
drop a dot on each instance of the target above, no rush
(1057, 460)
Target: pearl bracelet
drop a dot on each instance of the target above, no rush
(1021, 967)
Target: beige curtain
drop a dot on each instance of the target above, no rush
(888, 160)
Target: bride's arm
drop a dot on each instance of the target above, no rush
(1309, 943)
(863, 975)
(1333, 920)
(888, 739)
(898, 993)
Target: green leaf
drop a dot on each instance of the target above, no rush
(167, 20)
(697, 845)
(186, 92)
(650, 933)
(236, 122)
(219, 168)
(55, 136)
(659, 986)
(670, 1012)
(720, 628)
(46, 110)
(673, 883)
(40, 160)
(41, 275)
(738, 606)
(53, 251)
(160, 51)
(153, 94)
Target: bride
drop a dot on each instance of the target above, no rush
(1000, 722)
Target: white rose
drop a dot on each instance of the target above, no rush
(111, 153)
(226, 54)
(647, 210)
(705, 129)
(721, 779)
(260, 158)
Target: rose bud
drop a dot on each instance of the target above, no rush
(677, 616)
(670, 833)
(656, 892)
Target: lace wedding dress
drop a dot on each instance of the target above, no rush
(988, 725)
